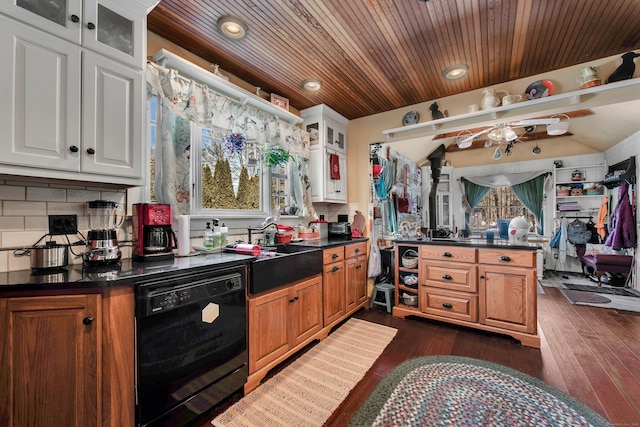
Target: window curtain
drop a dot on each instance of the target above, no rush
(531, 194)
(529, 187)
(473, 194)
(183, 101)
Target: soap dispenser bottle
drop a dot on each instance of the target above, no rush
(217, 237)
(224, 235)
(208, 237)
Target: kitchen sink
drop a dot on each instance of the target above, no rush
(282, 264)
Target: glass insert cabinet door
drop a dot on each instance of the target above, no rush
(104, 26)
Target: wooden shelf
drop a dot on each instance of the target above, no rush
(611, 93)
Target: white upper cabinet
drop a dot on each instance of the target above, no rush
(109, 27)
(69, 111)
(328, 159)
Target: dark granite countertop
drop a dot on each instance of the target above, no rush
(475, 243)
(77, 276)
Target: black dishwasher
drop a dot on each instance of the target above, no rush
(191, 346)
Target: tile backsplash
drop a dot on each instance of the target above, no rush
(25, 205)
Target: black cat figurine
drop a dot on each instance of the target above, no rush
(437, 114)
(626, 69)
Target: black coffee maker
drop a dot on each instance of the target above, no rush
(153, 235)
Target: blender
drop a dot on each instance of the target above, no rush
(102, 243)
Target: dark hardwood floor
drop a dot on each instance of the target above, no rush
(590, 353)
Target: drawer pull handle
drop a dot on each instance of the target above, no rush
(335, 268)
(334, 256)
(87, 320)
(446, 277)
(357, 250)
(504, 258)
(447, 305)
(446, 254)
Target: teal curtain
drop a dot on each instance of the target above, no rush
(531, 194)
(474, 193)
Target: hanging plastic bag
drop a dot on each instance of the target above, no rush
(555, 240)
(375, 262)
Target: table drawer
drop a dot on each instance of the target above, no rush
(333, 254)
(355, 249)
(453, 276)
(507, 257)
(448, 253)
(451, 304)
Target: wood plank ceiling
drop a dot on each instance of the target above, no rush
(377, 55)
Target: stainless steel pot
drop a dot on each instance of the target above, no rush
(49, 256)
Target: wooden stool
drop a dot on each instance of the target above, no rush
(387, 291)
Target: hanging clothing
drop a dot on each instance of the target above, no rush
(562, 244)
(621, 222)
(603, 214)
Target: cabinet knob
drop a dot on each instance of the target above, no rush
(91, 26)
(294, 299)
(334, 269)
(447, 305)
(334, 256)
(482, 277)
(87, 320)
(75, 18)
(359, 266)
(91, 151)
(73, 149)
(357, 250)
(504, 258)
(446, 277)
(446, 254)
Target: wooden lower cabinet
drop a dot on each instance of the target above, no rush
(280, 323)
(493, 289)
(356, 292)
(56, 366)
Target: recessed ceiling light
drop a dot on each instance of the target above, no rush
(455, 72)
(311, 85)
(232, 27)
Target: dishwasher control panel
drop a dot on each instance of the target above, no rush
(165, 297)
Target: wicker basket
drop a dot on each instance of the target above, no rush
(410, 259)
(410, 299)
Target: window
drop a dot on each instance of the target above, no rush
(498, 203)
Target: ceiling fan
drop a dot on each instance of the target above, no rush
(504, 132)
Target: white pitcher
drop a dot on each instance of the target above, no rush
(490, 98)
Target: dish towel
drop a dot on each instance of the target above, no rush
(334, 163)
(603, 214)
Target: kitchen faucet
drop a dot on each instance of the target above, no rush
(264, 227)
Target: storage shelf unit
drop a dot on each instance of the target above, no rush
(585, 201)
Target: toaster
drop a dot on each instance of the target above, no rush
(339, 229)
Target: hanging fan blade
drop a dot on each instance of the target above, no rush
(465, 141)
(533, 122)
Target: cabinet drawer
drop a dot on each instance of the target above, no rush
(333, 255)
(356, 249)
(455, 277)
(507, 257)
(455, 305)
(449, 253)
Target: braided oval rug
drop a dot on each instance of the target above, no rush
(460, 391)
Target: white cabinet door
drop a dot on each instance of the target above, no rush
(60, 17)
(112, 118)
(112, 30)
(40, 105)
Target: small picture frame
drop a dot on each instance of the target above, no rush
(280, 101)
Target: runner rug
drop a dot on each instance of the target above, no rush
(307, 391)
(459, 391)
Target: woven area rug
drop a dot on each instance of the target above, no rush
(459, 391)
(307, 391)
(603, 290)
(576, 297)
